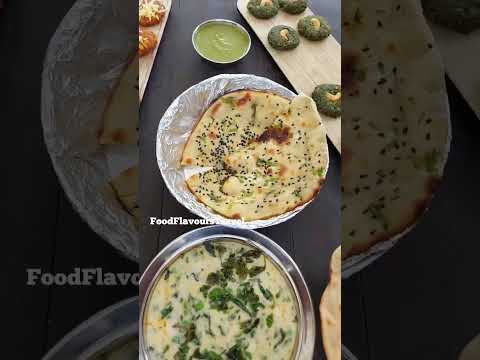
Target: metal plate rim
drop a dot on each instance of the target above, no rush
(90, 326)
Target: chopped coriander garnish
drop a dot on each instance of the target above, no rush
(266, 293)
(269, 320)
(166, 311)
(282, 339)
(249, 325)
(198, 306)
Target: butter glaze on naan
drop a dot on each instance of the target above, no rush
(269, 155)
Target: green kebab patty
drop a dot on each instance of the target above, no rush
(460, 15)
(263, 9)
(282, 37)
(328, 98)
(314, 27)
(293, 7)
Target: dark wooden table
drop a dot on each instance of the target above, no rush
(311, 236)
(40, 227)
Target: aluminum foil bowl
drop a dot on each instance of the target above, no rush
(178, 122)
(84, 61)
(347, 354)
(102, 333)
(292, 274)
(221, 21)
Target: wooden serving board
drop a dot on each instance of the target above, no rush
(310, 64)
(461, 56)
(145, 63)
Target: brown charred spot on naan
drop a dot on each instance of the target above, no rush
(244, 99)
(212, 135)
(391, 48)
(347, 156)
(130, 172)
(350, 72)
(119, 136)
(236, 216)
(280, 135)
(433, 184)
(189, 161)
(216, 107)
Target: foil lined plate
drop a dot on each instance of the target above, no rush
(347, 354)
(84, 61)
(178, 122)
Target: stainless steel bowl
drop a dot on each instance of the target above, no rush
(292, 274)
(104, 331)
(221, 21)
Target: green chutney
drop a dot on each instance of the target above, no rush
(221, 42)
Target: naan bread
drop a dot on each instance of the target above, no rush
(472, 350)
(269, 155)
(120, 120)
(331, 310)
(395, 123)
(125, 186)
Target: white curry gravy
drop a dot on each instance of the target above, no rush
(221, 300)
